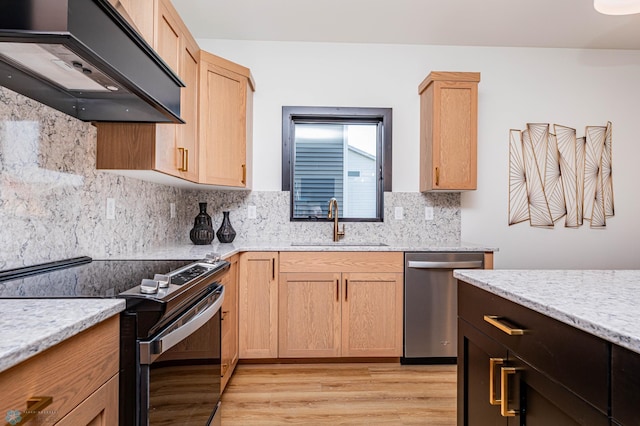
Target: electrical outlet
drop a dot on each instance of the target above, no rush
(111, 208)
(399, 213)
(428, 213)
(251, 212)
(172, 208)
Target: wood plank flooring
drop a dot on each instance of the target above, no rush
(340, 394)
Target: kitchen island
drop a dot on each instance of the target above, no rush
(548, 347)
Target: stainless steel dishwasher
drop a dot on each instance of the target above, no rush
(431, 305)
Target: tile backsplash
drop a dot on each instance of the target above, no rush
(53, 200)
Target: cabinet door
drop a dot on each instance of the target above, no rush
(223, 129)
(448, 131)
(258, 309)
(230, 322)
(310, 313)
(625, 385)
(540, 401)
(99, 409)
(372, 314)
(176, 144)
(139, 14)
(479, 361)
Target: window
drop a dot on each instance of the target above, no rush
(342, 153)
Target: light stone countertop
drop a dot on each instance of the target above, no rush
(603, 302)
(191, 251)
(30, 326)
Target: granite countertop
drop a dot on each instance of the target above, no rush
(30, 326)
(190, 251)
(603, 303)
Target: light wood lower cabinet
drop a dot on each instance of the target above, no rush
(258, 307)
(340, 315)
(230, 322)
(310, 315)
(100, 409)
(80, 375)
(340, 304)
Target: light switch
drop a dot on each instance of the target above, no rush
(111, 208)
(428, 213)
(399, 213)
(251, 212)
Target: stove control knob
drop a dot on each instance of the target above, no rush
(149, 286)
(163, 280)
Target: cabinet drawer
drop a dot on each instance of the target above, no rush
(68, 372)
(567, 355)
(339, 261)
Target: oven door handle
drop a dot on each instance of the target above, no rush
(195, 317)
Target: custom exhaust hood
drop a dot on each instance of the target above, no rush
(82, 58)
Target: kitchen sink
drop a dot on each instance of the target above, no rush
(337, 244)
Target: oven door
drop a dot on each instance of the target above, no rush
(180, 367)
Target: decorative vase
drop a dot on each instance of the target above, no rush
(202, 232)
(226, 233)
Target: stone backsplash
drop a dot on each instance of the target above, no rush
(53, 200)
(272, 218)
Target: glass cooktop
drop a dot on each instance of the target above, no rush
(82, 277)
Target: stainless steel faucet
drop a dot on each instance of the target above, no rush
(337, 234)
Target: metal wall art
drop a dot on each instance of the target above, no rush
(552, 175)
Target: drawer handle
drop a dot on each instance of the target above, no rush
(35, 405)
(495, 321)
(493, 362)
(504, 392)
(224, 315)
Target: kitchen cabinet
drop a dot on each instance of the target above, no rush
(230, 321)
(225, 113)
(516, 366)
(139, 14)
(168, 148)
(72, 383)
(448, 131)
(258, 305)
(340, 304)
(625, 386)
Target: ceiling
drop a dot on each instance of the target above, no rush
(516, 23)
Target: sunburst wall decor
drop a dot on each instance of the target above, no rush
(555, 175)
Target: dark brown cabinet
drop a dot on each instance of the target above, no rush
(625, 386)
(519, 367)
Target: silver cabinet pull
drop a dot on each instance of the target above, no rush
(470, 264)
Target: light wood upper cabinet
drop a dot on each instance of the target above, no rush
(226, 103)
(258, 307)
(139, 14)
(341, 304)
(448, 131)
(168, 148)
(230, 321)
(80, 375)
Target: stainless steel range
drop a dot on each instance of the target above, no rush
(169, 333)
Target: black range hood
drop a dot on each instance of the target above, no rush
(82, 58)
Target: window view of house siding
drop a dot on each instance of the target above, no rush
(335, 160)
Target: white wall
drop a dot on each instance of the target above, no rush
(575, 88)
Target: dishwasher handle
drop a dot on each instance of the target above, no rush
(469, 264)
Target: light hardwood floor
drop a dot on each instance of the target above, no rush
(340, 394)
